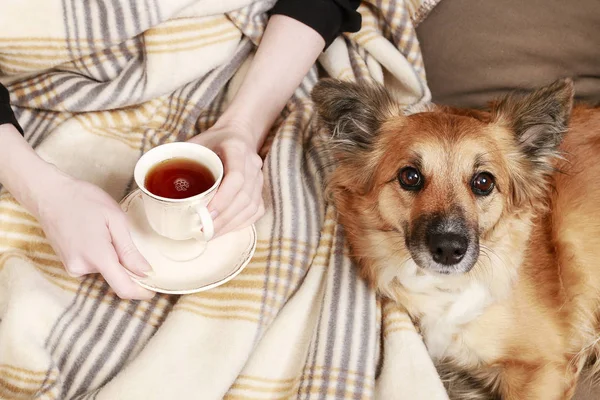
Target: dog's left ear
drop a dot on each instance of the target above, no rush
(539, 121)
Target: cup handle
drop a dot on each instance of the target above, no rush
(207, 229)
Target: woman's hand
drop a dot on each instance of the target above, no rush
(87, 228)
(287, 51)
(89, 232)
(238, 202)
(84, 225)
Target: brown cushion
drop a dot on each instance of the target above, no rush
(475, 50)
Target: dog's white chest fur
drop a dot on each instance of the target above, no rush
(442, 322)
(442, 311)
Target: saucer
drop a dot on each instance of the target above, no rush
(222, 260)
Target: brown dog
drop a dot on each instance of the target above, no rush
(485, 226)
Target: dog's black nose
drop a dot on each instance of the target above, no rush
(447, 248)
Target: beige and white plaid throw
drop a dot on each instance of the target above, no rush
(95, 84)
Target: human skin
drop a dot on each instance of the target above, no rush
(87, 228)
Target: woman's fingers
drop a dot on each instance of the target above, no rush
(120, 281)
(248, 211)
(238, 201)
(247, 200)
(233, 182)
(127, 252)
(77, 266)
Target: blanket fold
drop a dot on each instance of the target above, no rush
(96, 84)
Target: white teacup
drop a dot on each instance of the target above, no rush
(180, 219)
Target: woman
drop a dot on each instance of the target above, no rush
(86, 227)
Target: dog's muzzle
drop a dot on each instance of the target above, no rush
(443, 244)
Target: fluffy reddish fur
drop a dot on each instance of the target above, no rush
(530, 322)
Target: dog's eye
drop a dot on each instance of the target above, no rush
(410, 178)
(482, 184)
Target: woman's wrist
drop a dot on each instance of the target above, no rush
(22, 171)
(235, 121)
(286, 53)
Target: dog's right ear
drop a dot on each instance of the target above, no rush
(539, 121)
(352, 113)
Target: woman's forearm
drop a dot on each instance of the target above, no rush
(286, 53)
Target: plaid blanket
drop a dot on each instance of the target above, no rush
(97, 83)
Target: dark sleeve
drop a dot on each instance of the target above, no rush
(6, 113)
(329, 18)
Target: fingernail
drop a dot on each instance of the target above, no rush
(214, 214)
(147, 268)
(149, 273)
(145, 273)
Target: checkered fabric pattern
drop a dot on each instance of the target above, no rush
(97, 83)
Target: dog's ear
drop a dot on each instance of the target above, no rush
(539, 121)
(352, 113)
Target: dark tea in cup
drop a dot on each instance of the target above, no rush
(178, 178)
